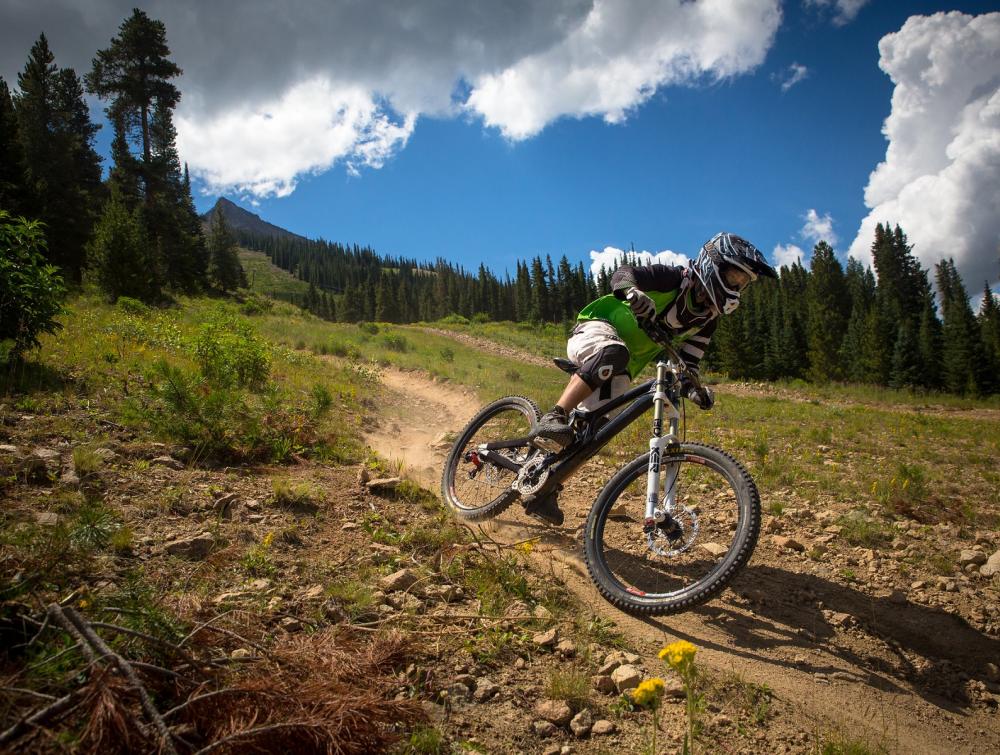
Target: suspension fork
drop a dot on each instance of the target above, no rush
(661, 405)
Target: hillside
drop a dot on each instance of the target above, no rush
(241, 524)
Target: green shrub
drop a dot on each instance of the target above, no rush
(230, 353)
(368, 327)
(133, 306)
(454, 319)
(256, 304)
(448, 354)
(31, 291)
(395, 342)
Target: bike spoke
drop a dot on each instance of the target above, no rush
(708, 514)
(476, 483)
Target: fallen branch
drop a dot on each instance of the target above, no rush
(59, 707)
(69, 616)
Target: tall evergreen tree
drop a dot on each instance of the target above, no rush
(12, 183)
(962, 351)
(134, 75)
(827, 302)
(121, 254)
(224, 269)
(61, 169)
(906, 364)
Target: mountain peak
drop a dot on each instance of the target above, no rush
(243, 220)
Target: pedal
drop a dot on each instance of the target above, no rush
(547, 444)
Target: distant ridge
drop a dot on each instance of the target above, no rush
(239, 219)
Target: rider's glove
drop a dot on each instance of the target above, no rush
(641, 305)
(703, 398)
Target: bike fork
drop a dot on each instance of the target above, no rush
(655, 514)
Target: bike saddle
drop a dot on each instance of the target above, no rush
(565, 365)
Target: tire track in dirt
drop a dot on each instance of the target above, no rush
(760, 628)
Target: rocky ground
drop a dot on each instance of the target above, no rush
(818, 644)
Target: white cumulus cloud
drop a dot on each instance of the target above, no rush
(940, 180)
(262, 150)
(818, 228)
(620, 55)
(610, 257)
(785, 255)
(275, 91)
(844, 11)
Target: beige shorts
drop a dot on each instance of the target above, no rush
(588, 338)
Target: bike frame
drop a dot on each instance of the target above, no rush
(662, 394)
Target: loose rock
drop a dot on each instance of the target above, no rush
(603, 684)
(485, 689)
(383, 484)
(581, 724)
(193, 548)
(545, 728)
(602, 728)
(556, 712)
(403, 579)
(546, 639)
(787, 543)
(626, 677)
(167, 461)
(714, 549)
(992, 566)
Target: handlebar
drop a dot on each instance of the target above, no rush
(662, 338)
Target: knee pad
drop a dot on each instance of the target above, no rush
(603, 364)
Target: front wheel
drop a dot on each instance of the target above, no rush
(476, 489)
(718, 513)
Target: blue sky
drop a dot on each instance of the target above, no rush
(460, 134)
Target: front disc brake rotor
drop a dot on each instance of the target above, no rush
(662, 545)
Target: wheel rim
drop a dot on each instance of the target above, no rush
(706, 502)
(489, 482)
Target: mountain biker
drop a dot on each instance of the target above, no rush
(609, 347)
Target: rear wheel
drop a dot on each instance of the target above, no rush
(718, 511)
(476, 489)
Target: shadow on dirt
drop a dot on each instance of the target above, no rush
(892, 647)
(928, 648)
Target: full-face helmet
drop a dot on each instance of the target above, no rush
(725, 266)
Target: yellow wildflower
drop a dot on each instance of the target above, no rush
(678, 654)
(268, 539)
(648, 693)
(527, 546)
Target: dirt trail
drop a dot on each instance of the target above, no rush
(879, 672)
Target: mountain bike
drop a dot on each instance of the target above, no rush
(667, 532)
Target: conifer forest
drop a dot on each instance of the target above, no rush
(136, 233)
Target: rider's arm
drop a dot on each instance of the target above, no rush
(646, 278)
(693, 349)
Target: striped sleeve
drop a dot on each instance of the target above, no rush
(693, 349)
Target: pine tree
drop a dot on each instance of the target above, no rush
(906, 368)
(61, 169)
(224, 270)
(929, 346)
(962, 351)
(386, 305)
(989, 328)
(826, 299)
(134, 75)
(12, 182)
(121, 254)
(860, 283)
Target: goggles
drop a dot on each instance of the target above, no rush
(735, 278)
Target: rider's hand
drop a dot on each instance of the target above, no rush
(641, 305)
(703, 398)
